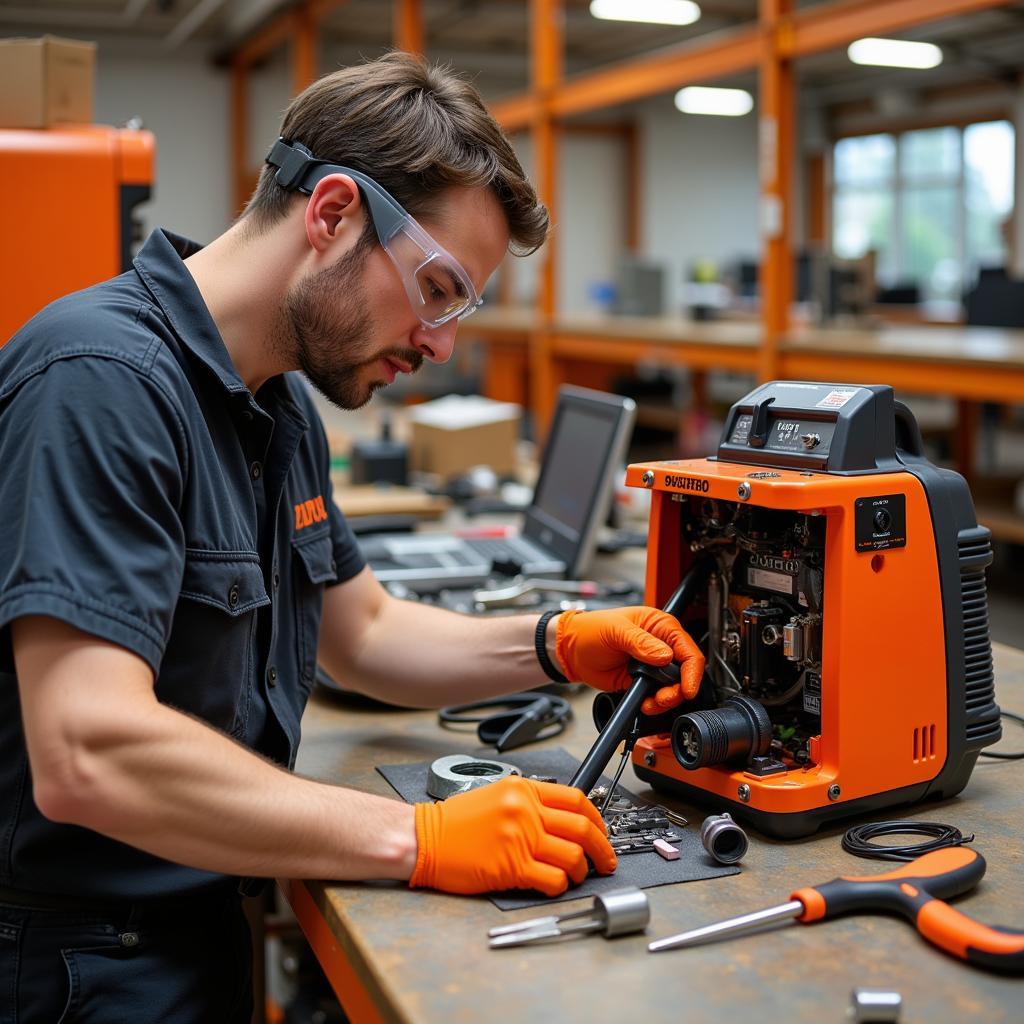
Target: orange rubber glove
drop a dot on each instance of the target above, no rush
(513, 834)
(595, 647)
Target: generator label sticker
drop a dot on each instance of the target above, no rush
(767, 580)
(812, 694)
(836, 398)
(686, 483)
(741, 431)
(880, 522)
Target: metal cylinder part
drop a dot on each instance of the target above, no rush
(625, 911)
(723, 838)
(459, 773)
(870, 1005)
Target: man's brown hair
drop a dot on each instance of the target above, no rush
(416, 130)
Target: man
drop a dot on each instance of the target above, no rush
(163, 607)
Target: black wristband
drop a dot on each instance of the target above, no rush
(540, 644)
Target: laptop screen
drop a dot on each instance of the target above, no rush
(588, 437)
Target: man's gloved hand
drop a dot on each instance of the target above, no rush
(513, 834)
(595, 648)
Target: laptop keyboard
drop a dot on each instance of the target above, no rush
(386, 555)
(506, 548)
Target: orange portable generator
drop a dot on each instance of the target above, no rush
(66, 201)
(835, 580)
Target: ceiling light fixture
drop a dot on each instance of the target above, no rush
(653, 12)
(702, 99)
(894, 53)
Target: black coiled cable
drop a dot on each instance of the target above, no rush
(858, 840)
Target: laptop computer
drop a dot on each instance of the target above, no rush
(589, 434)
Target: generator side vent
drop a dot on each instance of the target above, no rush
(924, 743)
(982, 720)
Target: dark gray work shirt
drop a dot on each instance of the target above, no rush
(149, 499)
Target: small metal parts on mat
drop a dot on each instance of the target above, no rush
(634, 828)
(875, 1006)
(621, 912)
(459, 773)
(723, 838)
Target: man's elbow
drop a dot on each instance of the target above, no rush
(67, 786)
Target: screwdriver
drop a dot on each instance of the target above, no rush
(915, 890)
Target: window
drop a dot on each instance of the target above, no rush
(930, 203)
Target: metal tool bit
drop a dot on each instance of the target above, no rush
(734, 926)
(620, 912)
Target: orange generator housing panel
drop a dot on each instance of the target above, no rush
(66, 201)
(841, 606)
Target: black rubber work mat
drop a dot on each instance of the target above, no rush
(643, 870)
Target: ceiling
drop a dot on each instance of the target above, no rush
(984, 46)
(489, 39)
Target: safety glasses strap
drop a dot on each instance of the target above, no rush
(298, 170)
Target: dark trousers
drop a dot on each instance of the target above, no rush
(134, 964)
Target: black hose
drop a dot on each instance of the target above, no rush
(646, 680)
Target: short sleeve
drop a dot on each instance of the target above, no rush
(348, 558)
(94, 464)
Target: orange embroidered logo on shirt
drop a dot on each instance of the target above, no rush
(309, 512)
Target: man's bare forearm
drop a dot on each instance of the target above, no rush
(108, 756)
(417, 655)
(184, 792)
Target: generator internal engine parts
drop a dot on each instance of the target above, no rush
(841, 608)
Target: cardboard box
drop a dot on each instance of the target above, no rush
(46, 81)
(453, 434)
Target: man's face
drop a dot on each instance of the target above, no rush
(353, 328)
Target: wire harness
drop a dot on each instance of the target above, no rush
(858, 840)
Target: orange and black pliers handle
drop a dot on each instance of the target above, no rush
(916, 891)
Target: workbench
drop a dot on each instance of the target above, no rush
(398, 955)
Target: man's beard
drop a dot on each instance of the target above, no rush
(327, 315)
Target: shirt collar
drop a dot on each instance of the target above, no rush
(160, 264)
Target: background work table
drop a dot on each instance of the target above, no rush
(980, 363)
(418, 956)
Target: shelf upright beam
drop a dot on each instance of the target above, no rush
(546, 71)
(305, 38)
(775, 159)
(298, 26)
(408, 26)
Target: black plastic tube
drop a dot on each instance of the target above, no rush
(646, 680)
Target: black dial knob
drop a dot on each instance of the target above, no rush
(882, 520)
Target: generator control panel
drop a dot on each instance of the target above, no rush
(832, 428)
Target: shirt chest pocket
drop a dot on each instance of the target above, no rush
(314, 567)
(214, 639)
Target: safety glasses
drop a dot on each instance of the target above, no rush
(439, 289)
